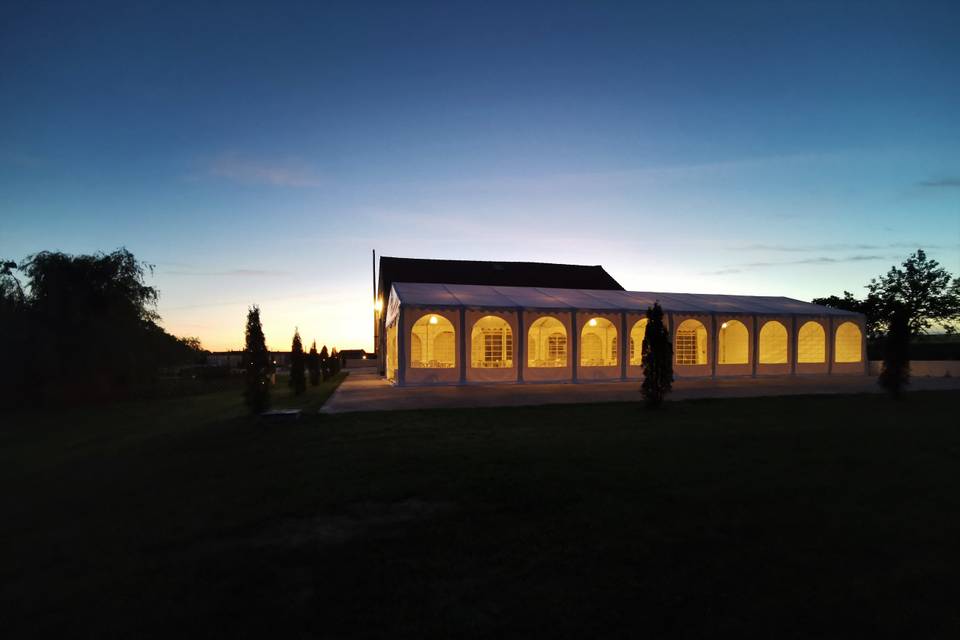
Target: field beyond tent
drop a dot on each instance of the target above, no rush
(798, 516)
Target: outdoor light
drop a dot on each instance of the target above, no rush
(593, 322)
(433, 319)
(723, 326)
(378, 305)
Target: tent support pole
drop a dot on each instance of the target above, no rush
(755, 342)
(463, 346)
(713, 348)
(402, 358)
(830, 345)
(574, 346)
(624, 345)
(520, 346)
(794, 348)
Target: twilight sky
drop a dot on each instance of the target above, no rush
(256, 153)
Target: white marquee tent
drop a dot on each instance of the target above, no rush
(458, 334)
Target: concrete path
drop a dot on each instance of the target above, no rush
(364, 391)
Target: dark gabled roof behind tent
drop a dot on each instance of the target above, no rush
(505, 274)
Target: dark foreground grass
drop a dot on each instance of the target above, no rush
(778, 517)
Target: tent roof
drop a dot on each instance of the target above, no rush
(496, 297)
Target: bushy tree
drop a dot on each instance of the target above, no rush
(256, 361)
(922, 288)
(313, 364)
(325, 363)
(298, 381)
(895, 374)
(657, 359)
(868, 307)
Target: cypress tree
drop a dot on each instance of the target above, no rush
(324, 363)
(657, 359)
(256, 362)
(895, 374)
(313, 365)
(298, 380)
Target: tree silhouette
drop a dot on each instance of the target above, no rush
(313, 364)
(895, 374)
(298, 381)
(922, 289)
(325, 363)
(256, 362)
(657, 359)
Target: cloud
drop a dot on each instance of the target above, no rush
(233, 273)
(749, 266)
(942, 182)
(810, 248)
(245, 170)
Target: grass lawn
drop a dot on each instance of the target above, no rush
(827, 516)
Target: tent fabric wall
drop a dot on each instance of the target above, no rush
(546, 335)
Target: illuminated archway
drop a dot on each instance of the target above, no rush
(547, 343)
(847, 344)
(492, 343)
(637, 334)
(433, 343)
(811, 343)
(598, 343)
(773, 343)
(690, 343)
(734, 343)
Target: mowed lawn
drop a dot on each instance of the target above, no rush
(827, 516)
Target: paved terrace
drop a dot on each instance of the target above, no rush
(364, 391)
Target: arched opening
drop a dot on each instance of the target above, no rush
(773, 343)
(492, 343)
(637, 333)
(691, 343)
(811, 343)
(598, 343)
(392, 352)
(734, 343)
(432, 343)
(847, 345)
(547, 343)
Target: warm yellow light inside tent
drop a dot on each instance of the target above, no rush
(847, 345)
(773, 343)
(811, 343)
(492, 343)
(734, 343)
(690, 343)
(433, 344)
(598, 344)
(547, 343)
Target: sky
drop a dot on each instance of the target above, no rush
(255, 153)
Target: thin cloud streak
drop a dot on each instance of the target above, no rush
(238, 168)
(750, 266)
(836, 247)
(949, 183)
(231, 273)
